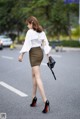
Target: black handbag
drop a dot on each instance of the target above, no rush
(51, 64)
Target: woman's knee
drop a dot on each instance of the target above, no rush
(33, 75)
(36, 72)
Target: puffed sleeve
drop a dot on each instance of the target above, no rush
(45, 44)
(27, 43)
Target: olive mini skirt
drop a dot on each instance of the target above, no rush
(36, 56)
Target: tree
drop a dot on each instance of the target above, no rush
(54, 15)
(58, 19)
(11, 16)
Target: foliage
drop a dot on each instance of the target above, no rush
(76, 31)
(54, 15)
(71, 43)
(65, 43)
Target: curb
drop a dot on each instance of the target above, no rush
(71, 49)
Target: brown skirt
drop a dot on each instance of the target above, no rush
(36, 56)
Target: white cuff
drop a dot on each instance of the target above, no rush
(47, 49)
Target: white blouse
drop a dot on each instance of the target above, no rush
(35, 39)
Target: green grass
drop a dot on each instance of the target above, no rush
(70, 43)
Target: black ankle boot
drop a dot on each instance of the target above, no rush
(47, 107)
(33, 104)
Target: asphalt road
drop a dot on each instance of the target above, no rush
(16, 86)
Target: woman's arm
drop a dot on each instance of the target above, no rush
(27, 43)
(26, 46)
(45, 44)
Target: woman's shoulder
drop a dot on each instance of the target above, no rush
(30, 31)
(42, 33)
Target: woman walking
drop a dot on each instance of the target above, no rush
(34, 41)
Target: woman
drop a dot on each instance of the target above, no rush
(34, 40)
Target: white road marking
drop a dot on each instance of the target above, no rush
(7, 57)
(13, 89)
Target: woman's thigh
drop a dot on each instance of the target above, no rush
(36, 71)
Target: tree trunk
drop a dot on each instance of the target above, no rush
(69, 26)
(58, 36)
(18, 33)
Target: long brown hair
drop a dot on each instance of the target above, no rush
(35, 24)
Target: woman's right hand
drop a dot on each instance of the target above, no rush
(20, 58)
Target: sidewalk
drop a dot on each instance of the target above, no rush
(70, 49)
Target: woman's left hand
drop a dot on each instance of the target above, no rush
(48, 57)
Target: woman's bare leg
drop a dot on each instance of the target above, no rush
(34, 84)
(36, 70)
